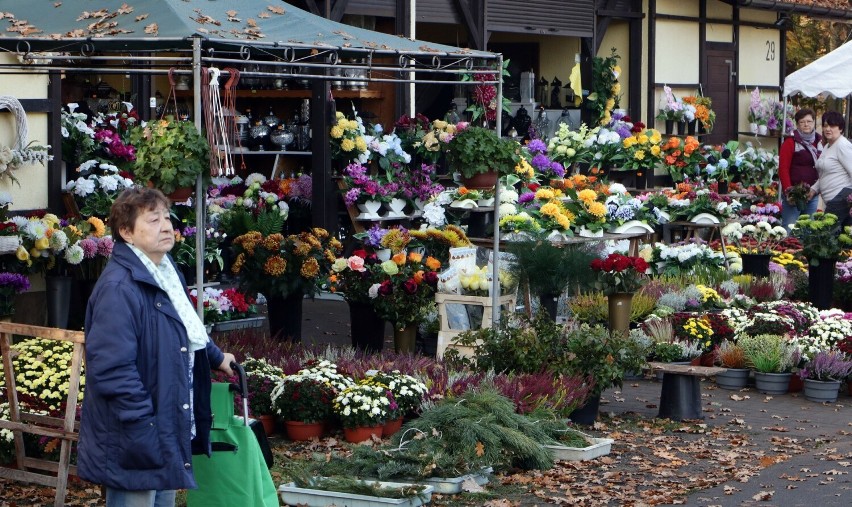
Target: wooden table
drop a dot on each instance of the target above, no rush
(680, 396)
(692, 227)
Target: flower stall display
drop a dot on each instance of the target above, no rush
(419, 184)
(758, 166)
(437, 241)
(682, 158)
(703, 110)
(483, 106)
(262, 378)
(625, 213)
(798, 195)
(386, 150)
(823, 333)
(362, 409)
(756, 244)
(571, 147)
(823, 374)
(605, 89)
(432, 141)
(303, 398)
(366, 191)
(103, 139)
(588, 210)
(619, 277)
(222, 305)
(641, 153)
(43, 375)
(478, 151)
(758, 115)
(682, 259)
(11, 284)
(820, 236)
(96, 244)
(237, 206)
(98, 186)
(703, 206)
(544, 168)
(347, 140)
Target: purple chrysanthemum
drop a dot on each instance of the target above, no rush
(537, 146)
(15, 282)
(105, 246)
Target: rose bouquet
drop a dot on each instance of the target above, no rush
(304, 398)
(351, 276)
(363, 405)
(620, 273)
(404, 288)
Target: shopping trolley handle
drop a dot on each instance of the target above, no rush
(242, 383)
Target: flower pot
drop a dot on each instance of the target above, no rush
(300, 431)
(58, 300)
(588, 413)
(391, 427)
(597, 447)
(722, 187)
(772, 383)
(796, 384)
(362, 433)
(752, 127)
(641, 178)
(403, 339)
(705, 359)
(619, 311)
(773, 132)
(369, 210)
(550, 302)
(485, 202)
(681, 128)
(690, 127)
(291, 494)
(733, 379)
(762, 130)
(704, 218)
(633, 226)
(756, 264)
(268, 422)
(181, 194)
(368, 329)
(395, 208)
(821, 282)
(669, 127)
(481, 181)
(285, 316)
(821, 391)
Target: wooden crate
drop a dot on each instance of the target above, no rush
(446, 335)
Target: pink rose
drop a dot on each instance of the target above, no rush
(355, 263)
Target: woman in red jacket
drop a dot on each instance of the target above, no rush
(797, 160)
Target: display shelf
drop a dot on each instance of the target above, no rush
(752, 134)
(296, 94)
(270, 152)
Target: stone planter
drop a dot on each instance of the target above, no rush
(453, 485)
(821, 391)
(733, 379)
(772, 383)
(247, 323)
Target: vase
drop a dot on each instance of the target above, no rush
(586, 233)
(733, 378)
(705, 359)
(681, 128)
(301, 431)
(756, 264)
(367, 328)
(762, 130)
(588, 413)
(669, 127)
(640, 181)
(369, 210)
(550, 302)
(403, 339)
(752, 127)
(821, 391)
(362, 433)
(722, 187)
(285, 316)
(772, 383)
(704, 219)
(821, 282)
(690, 127)
(481, 181)
(419, 205)
(395, 208)
(619, 312)
(268, 422)
(58, 300)
(391, 427)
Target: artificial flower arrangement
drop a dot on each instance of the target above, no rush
(360, 186)
(303, 397)
(622, 207)
(50, 245)
(404, 288)
(570, 147)
(780, 118)
(703, 110)
(798, 195)
(363, 405)
(96, 244)
(281, 266)
(642, 150)
(827, 366)
(408, 391)
(672, 110)
(477, 280)
(546, 207)
(224, 305)
(759, 167)
(682, 158)
(395, 239)
(347, 140)
(722, 162)
(682, 259)
(428, 140)
(484, 105)
(99, 185)
(104, 139)
(757, 111)
(758, 238)
(703, 201)
(386, 149)
(184, 252)
(588, 210)
(351, 277)
(261, 378)
(821, 236)
(606, 150)
(11, 284)
(620, 273)
(236, 206)
(544, 168)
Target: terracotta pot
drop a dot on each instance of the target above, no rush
(705, 359)
(391, 427)
(299, 431)
(360, 434)
(268, 422)
(181, 194)
(484, 180)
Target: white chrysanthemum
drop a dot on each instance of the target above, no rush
(108, 183)
(84, 187)
(73, 254)
(255, 178)
(434, 214)
(58, 241)
(87, 165)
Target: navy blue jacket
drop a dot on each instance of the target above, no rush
(135, 431)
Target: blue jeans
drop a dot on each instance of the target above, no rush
(789, 212)
(144, 498)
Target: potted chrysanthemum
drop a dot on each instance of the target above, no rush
(304, 401)
(362, 410)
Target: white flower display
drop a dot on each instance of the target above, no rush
(363, 405)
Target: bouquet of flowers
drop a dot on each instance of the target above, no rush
(820, 236)
(434, 138)
(360, 186)
(303, 397)
(184, 252)
(704, 201)
(223, 305)
(605, 148)
(757, 112)
(798, 195)
(642, 150)
(758, 166)
(587, 209)
(419, 183)
(11, 284)
(408, 392)
(682, 157)
(570, 147)
(387, 149)
(721, 162)
(262, 378)
(826, 366)
(236, 206)
(348, 143)
(703, 110)
(438, 240)
(277, 265)
(96, 244)
(620, 273)
(672, 110)
(404, 288)
(759, 238)
(681, 259)
(621, 207)
(98, 186)
(536, 152)
(363, 405)
(352, 277)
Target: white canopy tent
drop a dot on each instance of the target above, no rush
(831, 74)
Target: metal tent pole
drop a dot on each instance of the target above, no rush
(495, 264)
(200, 235)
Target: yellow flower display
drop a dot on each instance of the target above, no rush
(587, 196)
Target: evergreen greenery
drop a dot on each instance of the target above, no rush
(240, 221)
(550, 269)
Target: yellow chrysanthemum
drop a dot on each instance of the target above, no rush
(272, 242)
(302, 249)
(597, 209)
(360, 144)
(338, 115)
(347, 145)
(237, 266)
(550, 210)
(643, 139)
(628, 142)
(544, 194)
(352, 125)
(275, 266)
(639, 155)
(587, 196)
(563, 221)
(310, 268)
(336, 132)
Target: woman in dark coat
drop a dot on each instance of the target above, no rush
(146, 407)
(797, 163)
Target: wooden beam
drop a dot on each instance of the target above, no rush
(474, 21)
(313, 8)
(339, 10)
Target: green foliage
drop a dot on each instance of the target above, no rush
(767, 353)
(170, 154)
(303, 479)
(642, 306)
(591, 308)
(239, 221)
(604, 90)
(821, 236)
(550, 269)
(477, 150)
(667, 352)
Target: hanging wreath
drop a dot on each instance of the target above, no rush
(13, 157)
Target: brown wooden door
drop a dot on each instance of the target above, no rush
(720, 84)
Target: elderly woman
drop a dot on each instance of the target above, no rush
(834, 167)
(148, 363)
(797, 163)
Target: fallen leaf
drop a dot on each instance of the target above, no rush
(470, 486)
(763, 496)
(275, 9)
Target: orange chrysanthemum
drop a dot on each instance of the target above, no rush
(275, 266)
(310, 268)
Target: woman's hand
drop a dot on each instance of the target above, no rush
(226, 364)
(811, 194)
